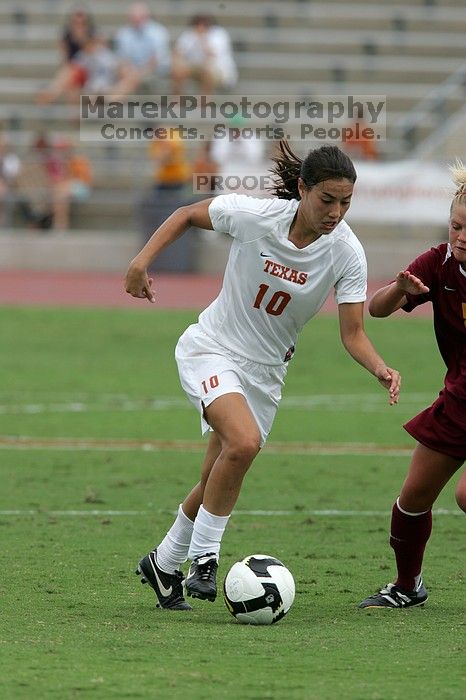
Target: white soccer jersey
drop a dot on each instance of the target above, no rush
(271, 288)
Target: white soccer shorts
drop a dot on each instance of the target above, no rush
(208, 370)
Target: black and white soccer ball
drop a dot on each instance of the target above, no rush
(259, 590)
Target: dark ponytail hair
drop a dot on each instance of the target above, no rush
(324, 163)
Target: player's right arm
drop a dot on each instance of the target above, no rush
(392, 297)
(137, 281)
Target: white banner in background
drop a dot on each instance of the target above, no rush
(404, 192)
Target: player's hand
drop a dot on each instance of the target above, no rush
(410, 284)
(138, 284)
(391, 380)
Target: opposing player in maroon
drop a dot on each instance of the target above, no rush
(438, 276)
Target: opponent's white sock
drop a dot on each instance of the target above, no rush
(173, 550)
(207, 533)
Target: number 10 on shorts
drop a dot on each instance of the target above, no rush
(212, 382)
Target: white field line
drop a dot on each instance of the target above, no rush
(364, 403)
(127, 445)
(254, 513)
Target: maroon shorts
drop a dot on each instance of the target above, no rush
(442, 426)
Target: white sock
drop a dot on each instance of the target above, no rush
(173, 550)
(207, 533)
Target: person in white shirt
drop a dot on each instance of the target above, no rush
(203, 53)
(10, 169)
(144, 44)
(287, 254)
(238, 154)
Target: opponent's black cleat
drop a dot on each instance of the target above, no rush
(393, 596)
(201, 579)
(168, 587)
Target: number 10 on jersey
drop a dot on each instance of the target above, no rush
(277, 302)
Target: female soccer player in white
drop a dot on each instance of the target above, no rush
(287, 253)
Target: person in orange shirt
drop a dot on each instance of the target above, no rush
(172, 168)
(359, 144)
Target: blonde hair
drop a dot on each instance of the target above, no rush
(458, 172)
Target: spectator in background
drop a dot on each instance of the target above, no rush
(78, 33)
(70, 177)
(10, 167)
(205, 168)
(53, 178)
(203, 53)
(236, 152)
(144, 44)
(170, 179)
(78, 28)
(33, 191)
(358, 146)
(95, 69)
(171, 165)
(240, 156)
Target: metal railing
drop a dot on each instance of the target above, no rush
(432, 109)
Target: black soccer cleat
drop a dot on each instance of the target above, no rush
(393, 596)
(201, 579)
(168, 587)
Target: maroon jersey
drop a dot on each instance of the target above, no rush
(441, 272)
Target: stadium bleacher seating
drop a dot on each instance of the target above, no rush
(282, 47)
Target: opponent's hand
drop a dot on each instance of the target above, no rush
(410, 284)
(138, 284)
(391, 380)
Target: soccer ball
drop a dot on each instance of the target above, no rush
(259, 590)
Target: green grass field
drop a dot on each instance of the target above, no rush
(98, 447)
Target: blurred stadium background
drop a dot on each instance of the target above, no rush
(412, 52)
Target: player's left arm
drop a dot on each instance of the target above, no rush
(359, 346)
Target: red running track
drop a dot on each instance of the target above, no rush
(97, 289)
